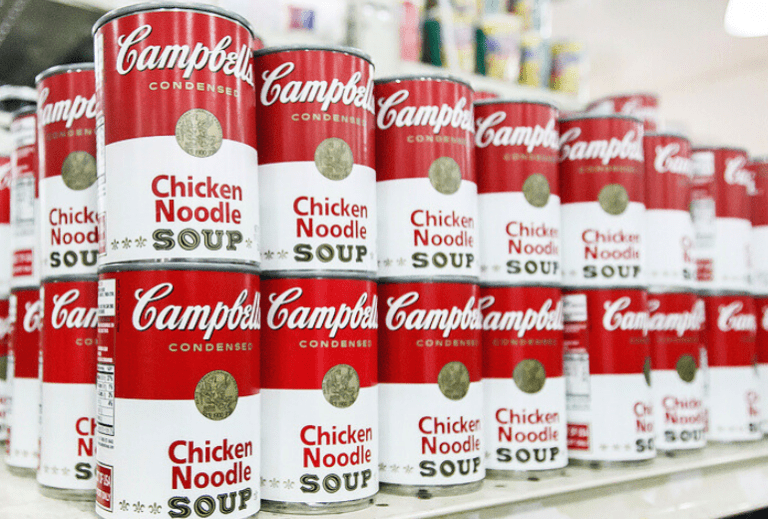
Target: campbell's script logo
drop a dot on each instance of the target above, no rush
(736, 174)
(490, 133)
(616, 318)
(188, 58)
(668, 161)
(629, 148)
(5, 327)
(443, 319)
(33, 316)
(764, 318)
(207, 318)
(636, 108)
(677, 322)
(548, 317)
(72, 317)
(729, 318)
(361, 316)
(69, 110)
(436, 117)
(292, 91)
(5, 176)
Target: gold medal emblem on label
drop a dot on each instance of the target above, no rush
(4, 368)
(333, 159)
(78, 171)
(647, 371)
(199, 133)
(686, 368)
(536, 190)
(529, 376)
(216, 395)
(453, 380)
(445, 175)
(341, 385)
(613, 199)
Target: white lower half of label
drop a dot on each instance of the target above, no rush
(23, 449)
(525, 431)
(734, 404)
(762, 373)
(169, 460)
(68, 436)
(428, 439)
(724, 265)
(759, 259)
(612, 421)
(679, 410)
(316, 453)
(669, 248)
(5, 262)
(5, 408)
(519, 243)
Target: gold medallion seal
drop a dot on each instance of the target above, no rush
(4, 368)
(647, 371)
(445, 175)
(453, 380)
(686, 368)
(529, 375)
(216, 395)
(333, 159)
(536, 190)
(78, 171)
(198, 133)
(613, 199)
(341, 385)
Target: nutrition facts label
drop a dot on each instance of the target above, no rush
(105, 398)
(577, 388)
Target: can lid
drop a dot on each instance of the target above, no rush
(761, 159)
(717, 148)
(170, 6)
(611, 97)
(342, 49)
(25, 110)
(511, 100)
(62, 69)
(579, 117)
(676, 135)
(431, 76)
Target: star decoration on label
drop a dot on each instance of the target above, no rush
(573, 273)
(387, 262)
(138, 507)
(249, 243)
(382, 467)
(65, 471)
(124, 505)
(127, 243)
(263, 482)
(378, 263)
(282, 254)
(408, 469)
(45, 468)
(603, 447)
(24, 453)
(401, 261)
(115, 244)
(616, 447)
(154, 508)
(483, 268)
(289, 484)
(487, 455)
(627, 447)
(269, 254)
(496, 268)
(274, 482)
(141, 241)
(394, 468)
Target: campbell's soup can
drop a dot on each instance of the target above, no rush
(177, 178)
(430, 390)
(320, 442)
(608, 376)
(523, 382)
(734, 386)
(178, 355)
(5, 276)
(26, 315)
(669, 228)
(426, 190)
(319, 197)
(644, 106)
(758, 167)
(603, 201)
(761, 341)
(516, 151)
(25, 201)
(675, 329)
(5, 376)
(721, 216)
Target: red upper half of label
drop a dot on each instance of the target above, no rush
(761, 307)
(596, 152)
(157, 65)
(643, 106)
(306, 96)
(668, 171)
(25, 333)
(514, 141)
(730, 182)
(5, 190)
(5, 327)
(731, 327)
(759, 205)
(419, 121)
(675, 327)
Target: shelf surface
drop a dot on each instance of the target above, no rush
(719, 481)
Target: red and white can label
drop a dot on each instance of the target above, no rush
(734, 387)
(5, 224)
(178, 354)
(721, 213)
(523, 383)
(427, 192)
(642, 106)
(68, 353)
(608, 375)
(669, 250)
(67, 136)
(321, 439)
(179, 177)
(759, 242)
(761, 307)
(26, 311)
(25, 203)
(320, 197)
(431, 395)
(603, 202)
(675, 326)
(516, 146)
(5, 376)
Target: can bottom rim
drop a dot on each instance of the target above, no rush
(428, 492)
(524, 475)
(22, 472)
(315, 508)
(598, 464)
(67, 494)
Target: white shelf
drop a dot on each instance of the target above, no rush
(719, 481)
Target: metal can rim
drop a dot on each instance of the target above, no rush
(427, 76)
(760, 159)
(625, 94)
(167, 5)
(676, 135)
(581, 117)
(192, 266)
(342, 49)
(24, 111)
(514, 100)
(697, 149)
(63, 69)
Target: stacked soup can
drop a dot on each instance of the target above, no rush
(430, 339)
(178, 293)
(643, 105)
(6, 144)
(758, 167)
(315, 112)
(607, 354)
(516, 152)
(721, 211)
(676, 320)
